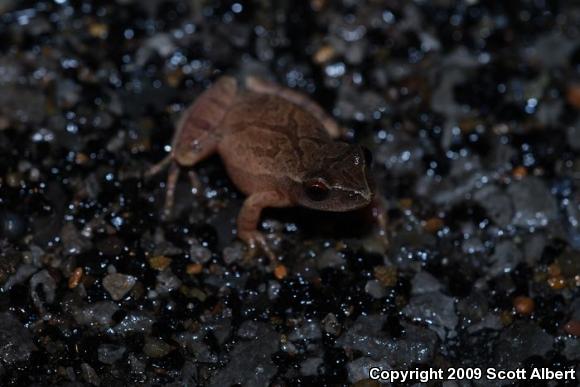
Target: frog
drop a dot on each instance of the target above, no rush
(279, 148)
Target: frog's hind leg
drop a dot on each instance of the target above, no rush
(262, 86)
(197, 135)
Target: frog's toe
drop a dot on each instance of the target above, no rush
(256, 241)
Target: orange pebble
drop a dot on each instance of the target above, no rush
(524, 305)
(194, 268)
(433, 225)
(572, 327)
(75, 278)
(557, 282)
(520, 172)
(573, 96)
(280, 271)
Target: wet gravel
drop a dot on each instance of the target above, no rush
(472, 111)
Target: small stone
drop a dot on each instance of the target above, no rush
(310, 366)
(160, 262)
(359, 369)
(250, 362)
(330, 258)
(98, 30)
(135, 322)
(74, 242)
(90, 375)
(573, 96)
(81, 158)
(109, 353)
(249, 329)
(75, 278)
(521, 340)
(47, 284)
(280, 272)
(273, 289)
(118, 285)
(194, 268)
(436, 310)
(99, 314)
(12, 225)
(374, 288)
(433, 225)
(167, 282)
(155, 347)
(199, 254)
(524, 305)
(15, 340)
(520, 172)
(193, 293)
(423, 282)
(557, 283)
(534, 205)
(233, 253)
(572, 327)
(386, 275)
(331, 325)
(324, 54)
(310, 330)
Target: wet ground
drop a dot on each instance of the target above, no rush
(472, 111)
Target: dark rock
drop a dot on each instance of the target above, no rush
(118, 285)
(520, 341)
(436, 310)
(250, 362)
(15, 340)
(534, 204)
(110, 353)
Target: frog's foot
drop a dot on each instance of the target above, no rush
(160, 166)
(256, 241)
(249, 216)
(196, 186)
(172, 178)
(381, 218)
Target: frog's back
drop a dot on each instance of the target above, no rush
(265, 138)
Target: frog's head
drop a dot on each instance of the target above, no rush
(340, 181)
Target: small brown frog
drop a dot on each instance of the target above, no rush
(277, 146)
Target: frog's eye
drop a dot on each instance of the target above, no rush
(368, 156)
(316, 189)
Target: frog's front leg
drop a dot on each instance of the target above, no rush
(250, 215)
(259, 85)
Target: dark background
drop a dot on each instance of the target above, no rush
(471, 109)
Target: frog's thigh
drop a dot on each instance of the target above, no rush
(262, 86)
(198, 130)
(252, 208)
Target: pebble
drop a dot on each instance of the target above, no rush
(375, 289)
(110, 353)
(572, 327)
(160, 262)
(118, 285)
(16, 343)
(524, 305)
(534, 204)
(155, 347)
